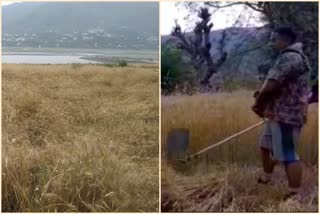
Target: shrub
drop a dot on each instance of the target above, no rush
(76, 66)
(122, 63)
(108, 65)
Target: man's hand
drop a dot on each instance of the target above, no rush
(256, 94)
(256, 109)
(269, 91)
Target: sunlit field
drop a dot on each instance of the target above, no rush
(80, 138)
(225, 179)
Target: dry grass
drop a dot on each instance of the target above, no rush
(228, 183)
(78, 139)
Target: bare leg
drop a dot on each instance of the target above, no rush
(267, 163)
(294, 174)
(268, 166)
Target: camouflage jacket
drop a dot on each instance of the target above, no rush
(291, 70)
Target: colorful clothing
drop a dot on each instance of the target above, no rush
(291, 69)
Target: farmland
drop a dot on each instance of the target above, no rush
(80, 138)
(227, 181)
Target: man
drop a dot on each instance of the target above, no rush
(313, 94)
(283, 100)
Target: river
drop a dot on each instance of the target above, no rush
(82, 56)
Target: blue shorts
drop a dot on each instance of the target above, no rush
(281, 139)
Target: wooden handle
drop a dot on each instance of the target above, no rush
(226, 140)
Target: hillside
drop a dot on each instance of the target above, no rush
(241, 62)
(81, 24)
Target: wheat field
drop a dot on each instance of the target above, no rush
(226, 181)
(80, 138)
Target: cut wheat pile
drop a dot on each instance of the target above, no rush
(234, 190)
(79, 138)
(229, 184)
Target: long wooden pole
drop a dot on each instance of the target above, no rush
(195, 155)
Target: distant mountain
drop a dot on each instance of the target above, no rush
(81, 24)
(241, 46)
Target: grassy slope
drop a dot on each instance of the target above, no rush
(231, 177)
(79, 138)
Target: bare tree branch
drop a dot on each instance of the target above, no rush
(255, 7)
(198, 47)
(218, 6)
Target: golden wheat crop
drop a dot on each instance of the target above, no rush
(80, 138)
(228, 182)
(213, 117)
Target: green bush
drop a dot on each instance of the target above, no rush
(109, 65)
(122, 63)
(76, 66)
(171, 68)
(176, 75)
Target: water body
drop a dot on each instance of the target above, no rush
(39, 59)
(82, 56)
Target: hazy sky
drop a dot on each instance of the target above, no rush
(7, 2)
(224, 18)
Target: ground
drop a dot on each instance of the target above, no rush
(234, 189)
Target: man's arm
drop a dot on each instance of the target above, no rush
(282, 70)
(314, 94)
(267, 93)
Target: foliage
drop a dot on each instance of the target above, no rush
(108, 65)
(174, 73)
(301, 16)
(76, 65)
(122, 63)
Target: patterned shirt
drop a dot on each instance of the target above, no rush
(291, 70)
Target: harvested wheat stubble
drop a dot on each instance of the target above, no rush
(237, 191)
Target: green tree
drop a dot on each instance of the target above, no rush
(171, 68)
(175, 74)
